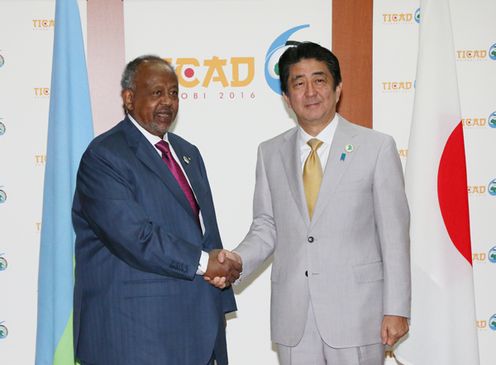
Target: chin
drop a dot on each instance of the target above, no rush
(161, 128)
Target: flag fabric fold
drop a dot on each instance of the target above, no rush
(70, 129)
(443, 328)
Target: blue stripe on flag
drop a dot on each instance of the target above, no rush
(70, 129)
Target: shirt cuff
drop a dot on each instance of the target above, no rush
(203, 264)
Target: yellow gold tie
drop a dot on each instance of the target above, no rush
(312, 175)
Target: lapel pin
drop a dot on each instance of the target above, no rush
(343, 156)
(186, 159)
(348, 148)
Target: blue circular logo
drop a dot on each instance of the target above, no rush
(2, 129)
(492, 322)
(417, 15)
(3, 263)
(491, 121)
(4, 332)
(3, 196)
(491, 187)
(275, 51)
(492, 255)
(492, 52)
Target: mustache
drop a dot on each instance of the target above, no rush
(164, 110)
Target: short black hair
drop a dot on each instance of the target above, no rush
(129, 74)
(305, 51)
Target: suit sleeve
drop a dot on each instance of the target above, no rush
(259, 243)
(106, 202)
(393, 222)
(228, 301)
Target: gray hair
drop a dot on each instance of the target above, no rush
(129, 74)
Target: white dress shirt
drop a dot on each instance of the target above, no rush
(326, 136)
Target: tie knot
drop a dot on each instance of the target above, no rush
(163, 147)
(314, 144)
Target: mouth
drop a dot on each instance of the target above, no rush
(312, 104)
(164, 114)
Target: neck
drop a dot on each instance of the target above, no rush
(314, 129)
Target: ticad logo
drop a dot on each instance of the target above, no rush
(2, 127)
(481, 324)
(41, 92)
(471, 54)
(4, 332)
(403, 152)
(276, 49)
(479, 257)
(192, 72)
(491, 255)
(397, 86)
(401, 17)
(492, 52)
(40, 159)
(3, 263)
(417, 15)
(43, 24)
(477, 54)
(3, 196)
(2, 60)
(491, 120)
(477, 190)
(491, 187)
(492, 322)
(474, 122)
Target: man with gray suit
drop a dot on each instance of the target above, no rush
(330, 206)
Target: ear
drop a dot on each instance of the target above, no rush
(286, 99)
(128, 99)
(339, 88)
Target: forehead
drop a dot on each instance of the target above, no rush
(307, 67)
(154, 72)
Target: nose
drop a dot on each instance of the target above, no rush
(310, 89)
(166, 99)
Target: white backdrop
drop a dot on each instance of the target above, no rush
(26, 38)
(227, 122)
(395, 55)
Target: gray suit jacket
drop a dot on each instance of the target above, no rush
(351, 262)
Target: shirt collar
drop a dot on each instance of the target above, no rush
(153, 139)
(325, 135)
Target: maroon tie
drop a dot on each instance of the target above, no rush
(175, 169)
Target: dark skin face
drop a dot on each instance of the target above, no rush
(154, 101)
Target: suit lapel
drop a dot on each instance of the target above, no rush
(185, 153)
(290, 156)
(338, 162)
(147, 154)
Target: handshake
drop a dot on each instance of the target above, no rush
(224, 268)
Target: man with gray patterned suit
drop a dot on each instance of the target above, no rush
(330, 206)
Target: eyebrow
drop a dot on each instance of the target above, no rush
(317, 73)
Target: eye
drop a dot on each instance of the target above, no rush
(173, 93)
(157, 93)
(298, 83)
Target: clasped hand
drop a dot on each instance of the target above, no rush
(224, 268)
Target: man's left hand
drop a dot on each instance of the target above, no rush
(393, 328)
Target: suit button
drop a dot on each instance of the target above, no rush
(306, 273)
(310, 239)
